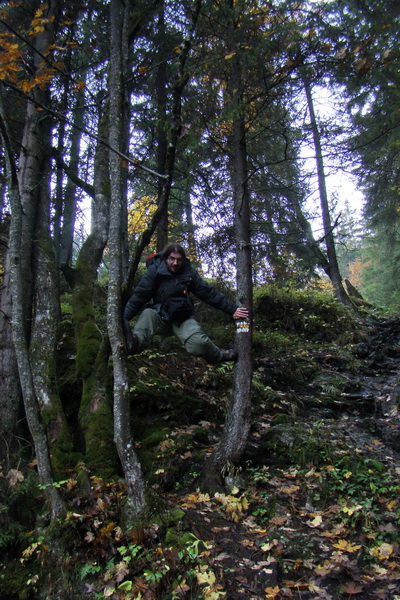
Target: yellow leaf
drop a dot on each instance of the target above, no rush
(382, 552)
(290, 489)
(272, 592)
(80, 85)
(346, 546)
(350, 510)
(316, 522)
(228, 56)
(207, 577)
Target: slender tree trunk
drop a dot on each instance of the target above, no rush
(162, 141)
(238, 422)
(334, 272)
(10, 389)
(122, 417)
(69, 203)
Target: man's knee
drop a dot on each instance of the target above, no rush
(198, 344)
(149, 315)
(146, 326)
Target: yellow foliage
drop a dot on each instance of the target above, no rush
(140, 214)
(272, 592)
(346, 546)
(212, 590)
(355, 270)
(39, 21)
(9, 59)
(234, 507)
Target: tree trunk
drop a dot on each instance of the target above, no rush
(238, 422)
(31, 404)
(122, 417)
(334, 273)
(92, 350)
(69, 204)
(10, 389)
(161, 134)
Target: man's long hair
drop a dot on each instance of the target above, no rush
(173, 248)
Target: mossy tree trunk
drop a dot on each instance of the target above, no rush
(37, 396)
(35, 177)
(92, 347)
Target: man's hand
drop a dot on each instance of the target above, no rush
(241, 313)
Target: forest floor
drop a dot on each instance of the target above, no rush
(311, 512)
(315, 512)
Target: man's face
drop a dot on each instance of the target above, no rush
(174, 262)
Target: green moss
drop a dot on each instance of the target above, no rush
(88, 344)
(96, 422)
(154, 437)
(173, 516)
(299, 444)
(310, 314)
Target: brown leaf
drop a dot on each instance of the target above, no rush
(352, 588)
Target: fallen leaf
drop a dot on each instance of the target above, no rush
(352, 588)
(382, 552)
(316, 522)
(272, 592)
(346, 546)
(222, 556)
(14, 477)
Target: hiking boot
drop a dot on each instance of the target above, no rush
(132, 344)
(131, 339)
(229, 355)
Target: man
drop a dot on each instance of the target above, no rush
(167, 283)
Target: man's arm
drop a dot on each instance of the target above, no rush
(142, 294)
(209, 294)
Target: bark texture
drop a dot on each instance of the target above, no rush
(238, 422)
(122, 416)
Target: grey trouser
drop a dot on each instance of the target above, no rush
(189, 333)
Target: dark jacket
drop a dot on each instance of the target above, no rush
(159, 283)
